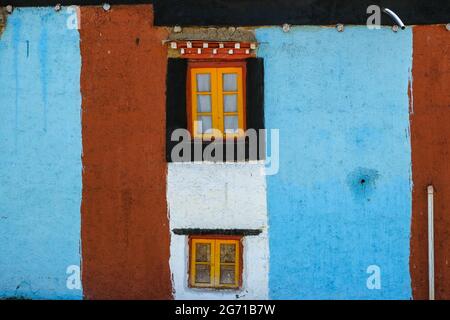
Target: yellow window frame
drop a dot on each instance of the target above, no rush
(217, 106)
(215, 263)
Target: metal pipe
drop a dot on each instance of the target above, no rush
(430, 191)
(394, 17)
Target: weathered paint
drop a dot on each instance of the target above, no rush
(219, 196)
(340, 101)
(430, 132)
(40, 166)
(125, 229)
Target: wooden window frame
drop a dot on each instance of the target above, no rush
(217, 107)
(215, 241)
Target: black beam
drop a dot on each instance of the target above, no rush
(299, 12)
(226, 232)
(272, 12)
(51, 3)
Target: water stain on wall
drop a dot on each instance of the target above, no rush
(362, 183)
(125, 229)
(430, 145)
(323, 232)
(40, 171)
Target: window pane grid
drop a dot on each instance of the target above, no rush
(230, 81)
(203, 82)
(231, 101)
(202, 274)
(220, 274)
(206, 276)
(218, 81)
(234, 266)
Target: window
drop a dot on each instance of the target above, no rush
(215, 262)
(180, 112)
(216, 100)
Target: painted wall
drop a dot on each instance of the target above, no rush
(342, 199)
(82, 128)
(219, 196)
(430, 132)
(40, 166)
(125, 228)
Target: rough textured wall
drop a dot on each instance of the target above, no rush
(3, 19)
(125, 229)
(40, 166)
(342, 198)
(430, 132)
(219, 196)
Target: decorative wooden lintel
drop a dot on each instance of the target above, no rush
(197, 49)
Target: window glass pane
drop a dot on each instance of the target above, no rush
(204, 124)
(230, 102)
(231, 124)
(202, 252)
(202, 273)
(227, 253)
(204, 82)
(227, 274)
(229, 82)
(203, 103)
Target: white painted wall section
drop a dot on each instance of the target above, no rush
(219, 196)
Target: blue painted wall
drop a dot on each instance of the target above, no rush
(342, 198)
(40, 163)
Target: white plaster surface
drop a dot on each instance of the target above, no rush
(219, 196)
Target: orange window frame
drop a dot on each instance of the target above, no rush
(214, 261)
(216, 70)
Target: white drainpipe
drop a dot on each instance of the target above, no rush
(430, 190)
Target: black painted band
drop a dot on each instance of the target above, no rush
(271, 12)
(226, 232)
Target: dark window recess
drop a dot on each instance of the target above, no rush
(176, 113)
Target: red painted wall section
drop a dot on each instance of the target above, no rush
(430, 142)
(125, 229)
